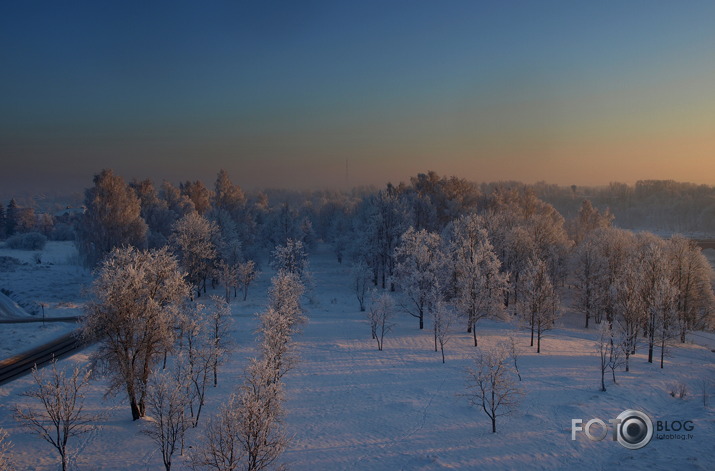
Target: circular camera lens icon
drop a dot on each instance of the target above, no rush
(634, 429)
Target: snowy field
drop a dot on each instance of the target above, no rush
(350, 406)
(57, 282)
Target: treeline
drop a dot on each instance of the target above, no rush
(657, 205)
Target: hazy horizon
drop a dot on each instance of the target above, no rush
(283, 95)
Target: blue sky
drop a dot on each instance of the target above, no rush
(281, 94)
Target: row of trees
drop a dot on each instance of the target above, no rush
(248, 432)
(643, 287)
(16, 219)
(137, 214)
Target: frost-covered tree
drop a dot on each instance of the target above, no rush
(691, 276)
(654, 270)
(227, 196)
(291, 258)
(112, 218)
(259, 415)
(226, 239)
(518, 248)
(198, 355)
(197, 192)
(587, 265)
(228, 276)
(193, 239)
(179, 204)
(6, 460)
(166, 403)
(608, 350)
(281, 224)
(420, 267)
(279, 322)
(136, 297)
(220, 448)
(666, 323)
(155, 212)
(525, 227)
(62, 414)
(479, 284)
(588, 220)
(629, 310)
(362, 278)
(246, 273)
(248, 433)
(380, 314)
(219, 334)
(540, 302)
(284, 296)
(379, 222)
(615, 249)
(491, 385)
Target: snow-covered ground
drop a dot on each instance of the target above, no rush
(57, 282)
(353, 407)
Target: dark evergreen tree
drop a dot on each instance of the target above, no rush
(11, 217)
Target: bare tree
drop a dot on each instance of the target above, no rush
(443, 318)
(220, 449)
(382, 309)
(6, 461)
(362, 276)
(604, 347)
(539, 300)
(514, 353)
(136, 298)
(166, 402)
(491, 384)
(62, 415)
(228, 276)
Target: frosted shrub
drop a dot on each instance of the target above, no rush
(27, 241)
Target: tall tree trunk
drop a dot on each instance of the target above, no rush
(532, 330)
(136, 412)
(538, 340)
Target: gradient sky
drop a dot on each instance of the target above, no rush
(282, 94)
